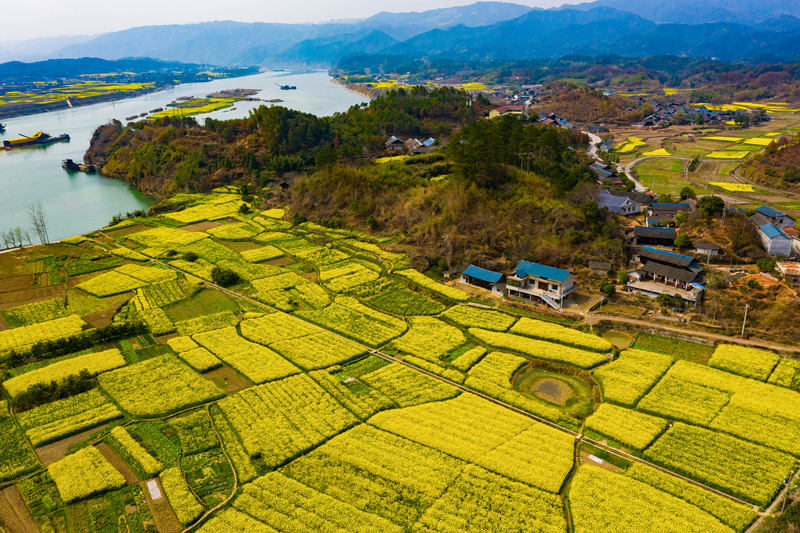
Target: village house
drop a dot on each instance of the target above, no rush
(532, 281)
(775, 241)
(655, 236)
(600, 268)
(707, 248)
(666, 273)
(518, 110)
(791, 272)
(619, 205)
(662, 214)
(775, 217)
(487, 279)
(393, 144)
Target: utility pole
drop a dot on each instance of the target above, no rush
(746, 307)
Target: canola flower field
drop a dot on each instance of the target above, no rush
(296, 399)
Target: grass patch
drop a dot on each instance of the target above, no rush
(205, 302)
(679, 349)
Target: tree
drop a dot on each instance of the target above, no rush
(765, 264)
(680, 218)
(622, 277)
(224, 277)
(687, 192)
(607, 288)
(39, 222)
(683, 241)
(710, 206)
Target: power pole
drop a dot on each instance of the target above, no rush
(746, 307)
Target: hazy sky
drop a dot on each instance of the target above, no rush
(27, 19)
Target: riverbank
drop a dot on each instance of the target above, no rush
(23, 110)
(357, 88)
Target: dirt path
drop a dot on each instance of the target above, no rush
(14, 513)
(594, 318)
(777, 501)
(50, 453)
(127, 472)
(163, 515)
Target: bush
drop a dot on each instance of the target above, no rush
(683, 241)
(622, 277)
(224, 277)
(607, 288)
(765, 264)
(190, 256)
(687, 192)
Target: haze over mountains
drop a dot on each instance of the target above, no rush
(723, 29)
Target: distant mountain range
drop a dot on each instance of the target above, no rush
(723, 29)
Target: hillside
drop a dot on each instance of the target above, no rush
(778, 166)
(589, 105)
(442, 202)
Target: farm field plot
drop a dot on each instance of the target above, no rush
(747, 362)
(492, 376)
(539, 329)
(92, 364)
(257, 363)
(429, 338)
(539, 349)
(157, 386)
(437, 288)
(25, 336)
(61, 418)
(15, 457)
(348, 317)
(377, 472)
(599, 497)
(626, 426)
(473, 317)
(84, 473)
(343, 276)
(406, 387)
(280, 420)
(393, 297)
(628, 378)
(472, 429)
(748, 471)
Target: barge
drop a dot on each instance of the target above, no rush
(38, 138)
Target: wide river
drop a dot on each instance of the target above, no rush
(78, 203)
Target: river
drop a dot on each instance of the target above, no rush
(79, 203)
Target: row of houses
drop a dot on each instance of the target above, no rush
(410, 145)
(666, 273)
(664, 114)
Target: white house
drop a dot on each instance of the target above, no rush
(532, 281)
(775, 241)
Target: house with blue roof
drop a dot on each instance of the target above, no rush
(664, 272)
(775, 241)
(542, 283)
(487, 279)
(775, 217)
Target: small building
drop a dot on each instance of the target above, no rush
(532, 281)
(655, 236)
(415, 146)
(790, 271)
(393, 144)
(781, 220)
(641, 198)
(662, 214)
(480, 277)
(600, 268)
(775, 241)
(507, 110)
(707, 248)
(619, 205)
(666, 273)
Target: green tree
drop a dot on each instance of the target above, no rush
(710, 206)
(687, 192)
(224, 277)
(607, 288)
(683, 241)
(623, 277)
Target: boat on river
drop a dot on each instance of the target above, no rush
(71, 166)
(37, 138)
(2, 128)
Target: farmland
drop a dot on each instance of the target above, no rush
(317, 391)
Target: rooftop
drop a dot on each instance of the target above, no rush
(772, 231)
(767, 211)
(526, 268)
(788, 268)
(482, 274)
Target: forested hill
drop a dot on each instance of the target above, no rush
(466, 201)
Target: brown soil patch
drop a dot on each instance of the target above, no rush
(14, 514)
(50, 453)
(280, 261)
(240, 246)
(163, 515)
(552, 390)
(16, 283)
(201, 226)
(103, 317)
(605, 464)
(227, 379)
(15, 298)
(126, 471)
(126, 231)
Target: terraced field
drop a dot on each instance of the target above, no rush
(338, 389)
